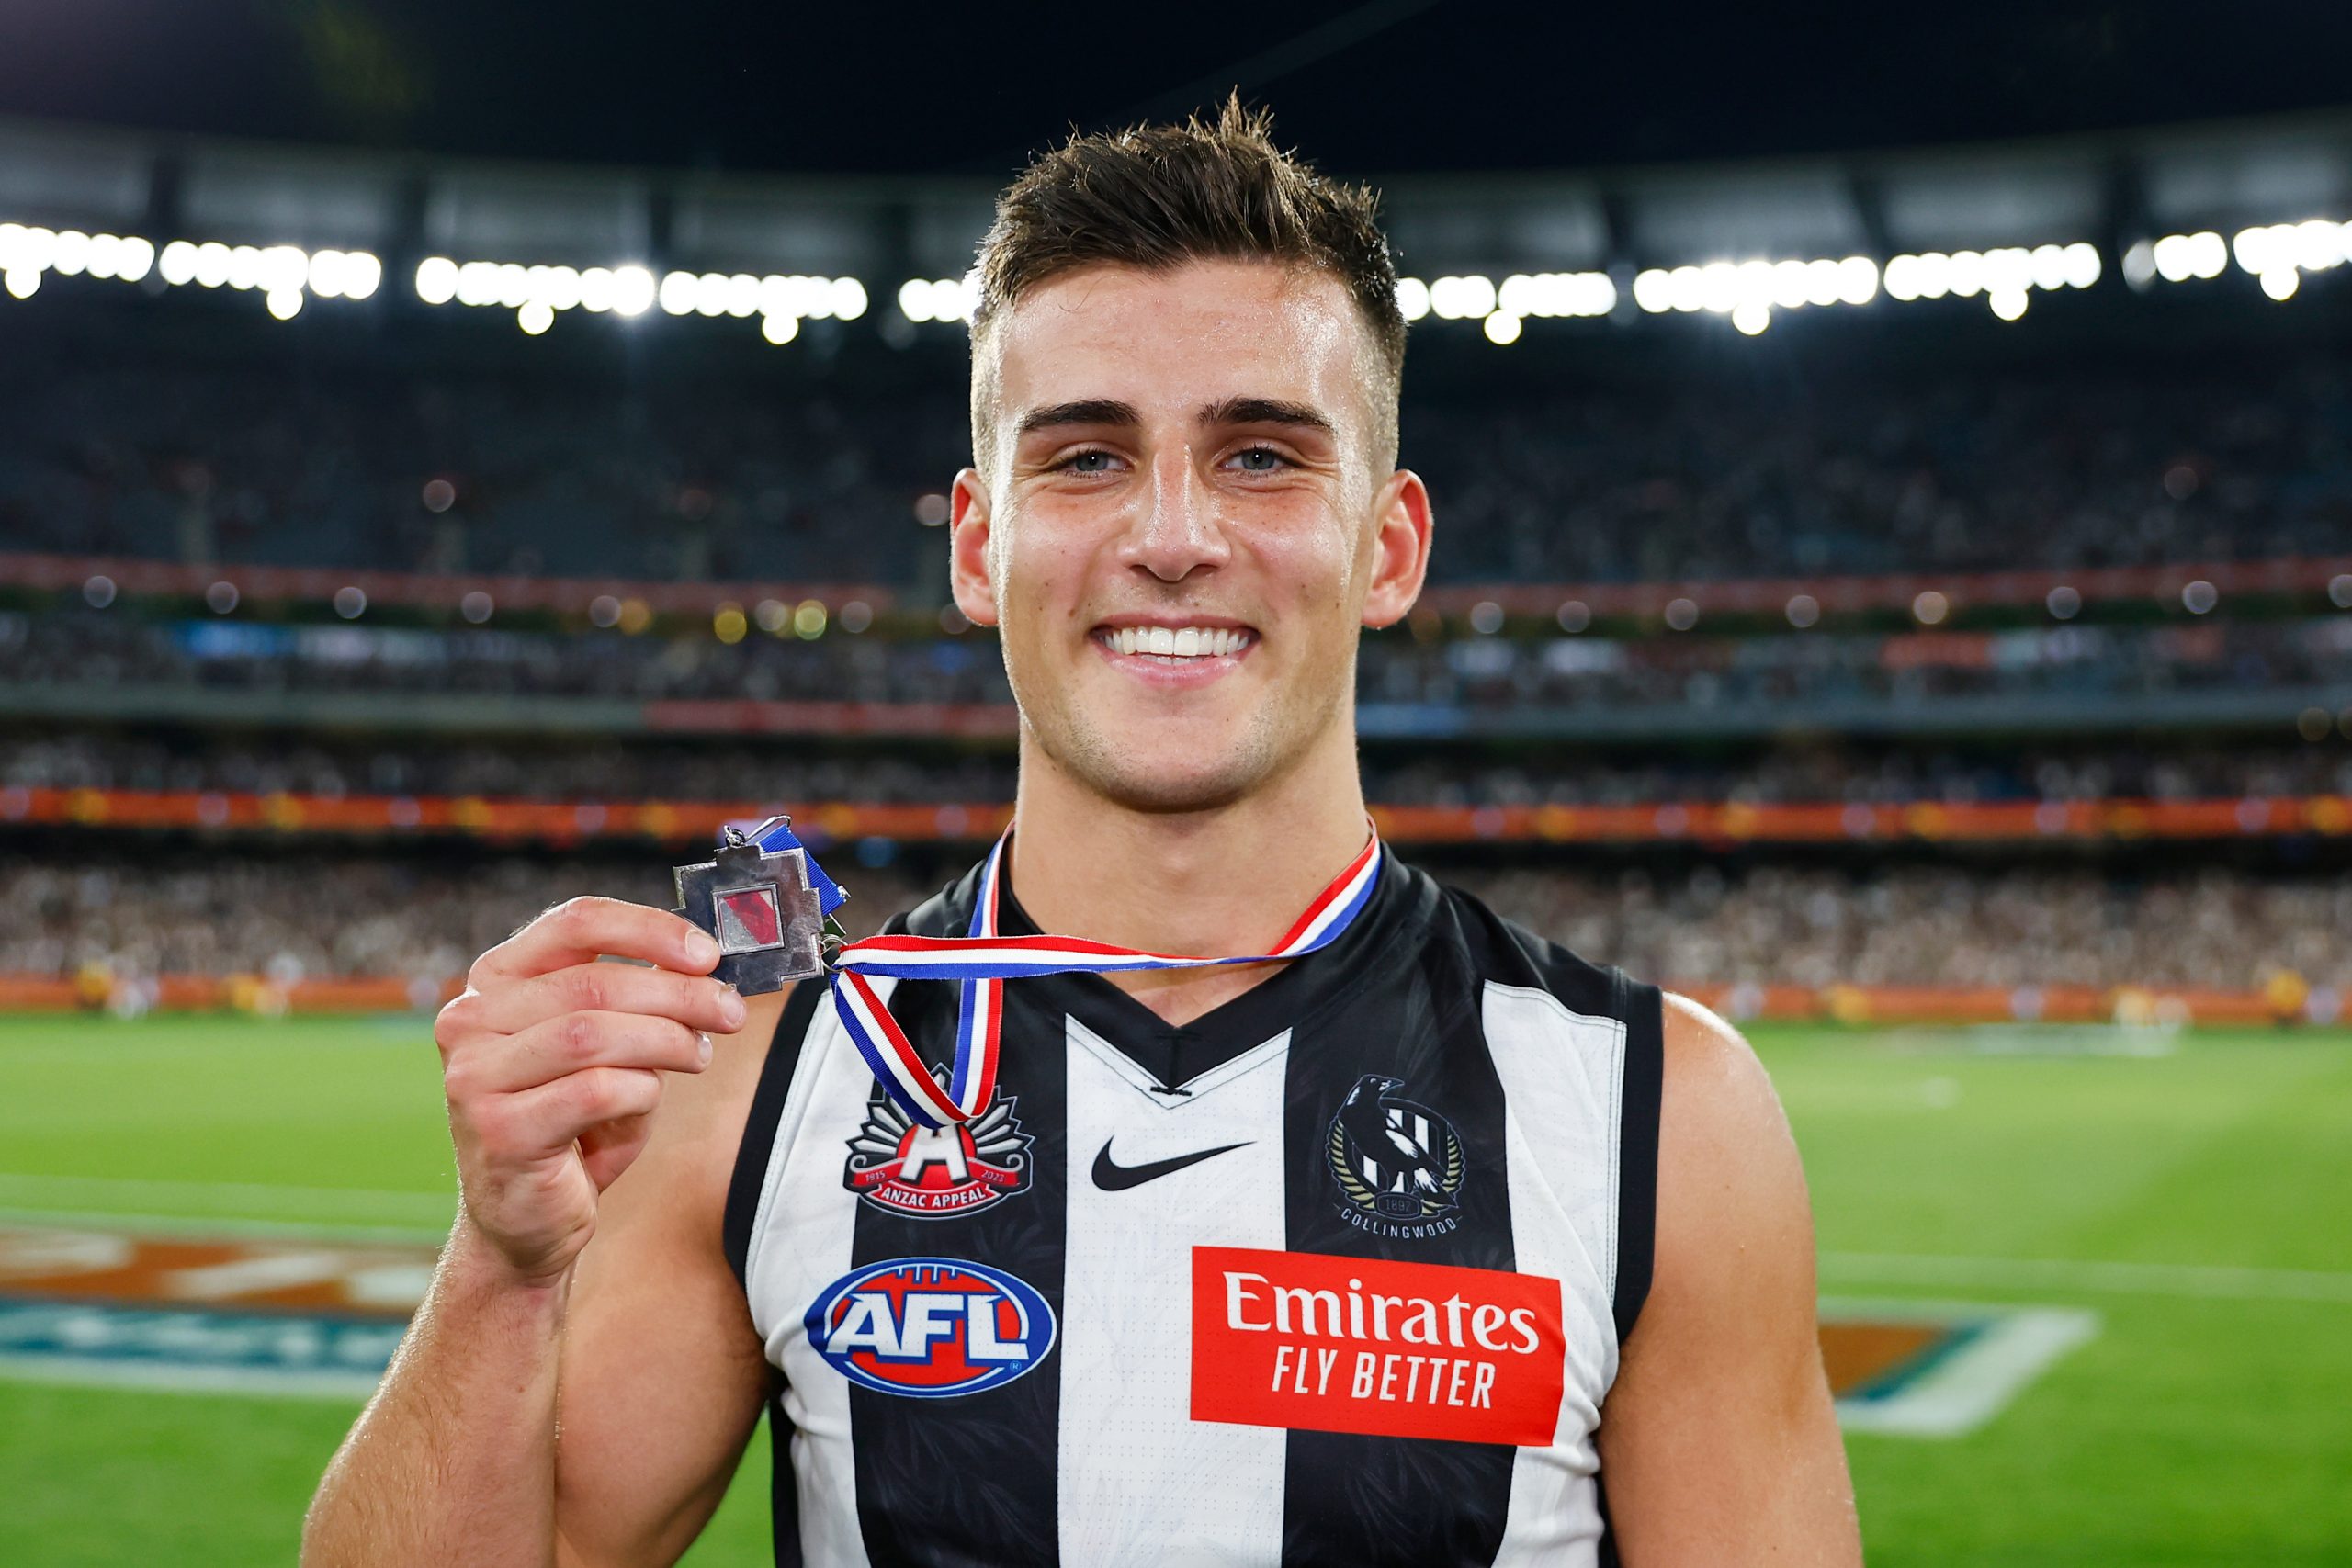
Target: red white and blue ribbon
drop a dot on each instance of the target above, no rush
(984, 959)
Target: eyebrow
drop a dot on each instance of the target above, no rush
(1088, 411)
(1265, 411)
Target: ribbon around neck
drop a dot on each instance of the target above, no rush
(983, 959)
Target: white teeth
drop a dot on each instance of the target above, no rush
(1174, 642)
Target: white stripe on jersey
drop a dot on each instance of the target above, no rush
(1142, 1482)
(1563, 1076)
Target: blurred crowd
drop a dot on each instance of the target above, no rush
(316, 914)
(1507, 673)
(379, 466)
(313, 762)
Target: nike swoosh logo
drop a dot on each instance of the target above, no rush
(1112, 1177)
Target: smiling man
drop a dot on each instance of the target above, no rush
(1410, 1238)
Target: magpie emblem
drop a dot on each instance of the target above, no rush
(1398, 1165)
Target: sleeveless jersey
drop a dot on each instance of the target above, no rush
(1336, 1273)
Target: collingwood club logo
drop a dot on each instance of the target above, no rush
(933, 1173)
(1398, 1164)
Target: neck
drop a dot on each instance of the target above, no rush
(1212, 883)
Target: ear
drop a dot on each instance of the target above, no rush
(1400, 547)
(970, 563)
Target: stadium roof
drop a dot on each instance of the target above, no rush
(1370, 86)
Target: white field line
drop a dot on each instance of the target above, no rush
(2211, 1282)
(237, 1198)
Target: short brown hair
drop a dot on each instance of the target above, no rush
(1156, 196)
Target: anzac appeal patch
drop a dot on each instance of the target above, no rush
(935, 1172)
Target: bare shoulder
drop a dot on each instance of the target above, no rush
(1733, 1213)
(1718, 1436)
(1718, 1100)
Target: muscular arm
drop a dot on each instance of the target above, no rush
(642, 1347)
(1719, 1445)
(663, 1374)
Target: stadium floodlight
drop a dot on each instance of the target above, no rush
(633, 290)
(596, 290)
(2180, 257)
(938, 299)
(849, 300)
(678, 293)
(436, 280)
(1557, 294)
(2281, 282)
(1462, 299)
(1751, 317)
(1412, 298)
(22, 282)
(2007, 303)
(779, 327)
(1502, 328)
(284, 303)
(363, 273)
(178, 264)
(534, 316)
(710, 294)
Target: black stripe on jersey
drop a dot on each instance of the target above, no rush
(750, 1172)
(974, 1479)
(1643, 1008)
(1413, 1015)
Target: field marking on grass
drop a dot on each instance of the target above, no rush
(2215, 1283)
(40, 1191)
(1999, 1351)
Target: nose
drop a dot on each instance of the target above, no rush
(1177, 531)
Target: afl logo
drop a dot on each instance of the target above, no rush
(931, 1327)
(1398, 1164)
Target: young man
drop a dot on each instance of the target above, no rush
(1395, 1252)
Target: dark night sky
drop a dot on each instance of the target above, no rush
(1391, 86)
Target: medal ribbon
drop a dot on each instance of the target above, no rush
(984, 959)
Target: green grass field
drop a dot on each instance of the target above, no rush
(2201, 1201)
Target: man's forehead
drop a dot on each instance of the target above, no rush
(1180, 340)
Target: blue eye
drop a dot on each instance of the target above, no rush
(1258, 460)
(1090, 463)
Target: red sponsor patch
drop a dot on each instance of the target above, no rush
(1305, 1340)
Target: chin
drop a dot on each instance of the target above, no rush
(1163, 769)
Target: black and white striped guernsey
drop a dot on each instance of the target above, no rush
(1337, 1273)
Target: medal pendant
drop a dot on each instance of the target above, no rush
(767, 919)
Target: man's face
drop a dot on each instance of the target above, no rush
(1187, 518)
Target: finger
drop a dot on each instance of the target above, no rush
(696, 1000)
(578, 1041)
(578, 930)
(611, 1148)
(534, 1122)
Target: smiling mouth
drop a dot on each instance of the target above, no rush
(1175, 643)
